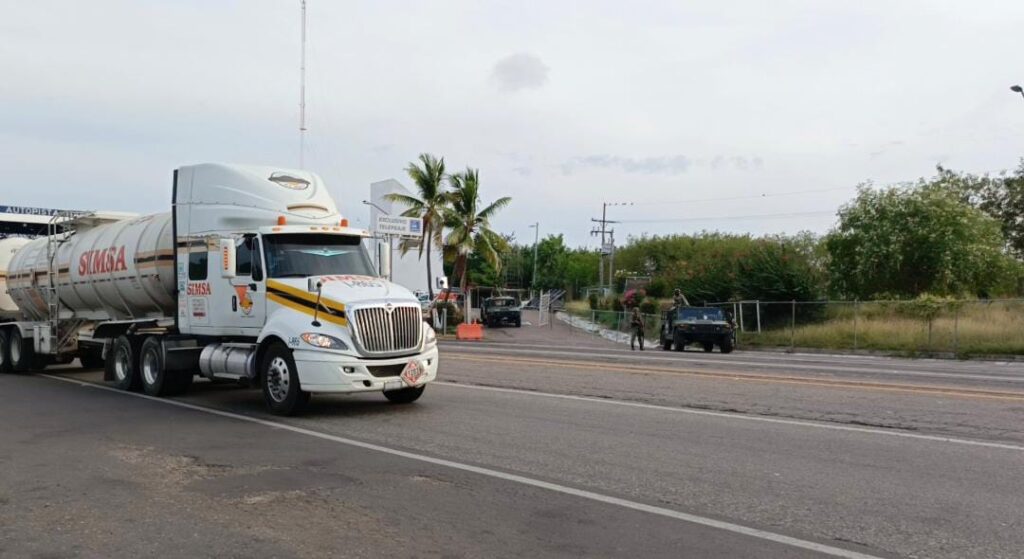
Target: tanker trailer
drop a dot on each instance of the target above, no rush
(253, 276)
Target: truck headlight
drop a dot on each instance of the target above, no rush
(322, 341)
(429, 336)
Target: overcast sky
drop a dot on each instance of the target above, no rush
(561, 105)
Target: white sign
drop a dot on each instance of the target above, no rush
(608, 248)
(398, 225)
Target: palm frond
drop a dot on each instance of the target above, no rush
(486, 213)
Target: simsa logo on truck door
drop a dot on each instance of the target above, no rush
(102, 261)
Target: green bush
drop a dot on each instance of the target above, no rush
(659, 288)
(592, 300)
(649, 306)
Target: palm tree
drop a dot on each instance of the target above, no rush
(469, 226)
(428, 177)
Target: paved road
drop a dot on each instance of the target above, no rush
(548, 452)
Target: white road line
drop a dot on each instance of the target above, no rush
(711, 363)
(582, 493)
(740, 416)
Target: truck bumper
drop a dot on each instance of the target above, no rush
(327, 372)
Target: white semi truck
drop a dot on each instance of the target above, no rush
(252, 276)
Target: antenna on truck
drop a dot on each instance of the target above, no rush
(302, 92)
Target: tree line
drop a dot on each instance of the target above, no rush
(951, 235)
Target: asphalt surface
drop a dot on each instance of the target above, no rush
(548, 445)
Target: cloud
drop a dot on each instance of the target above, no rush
(662, 165)
(520, 71)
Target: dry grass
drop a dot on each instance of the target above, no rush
(978, 328)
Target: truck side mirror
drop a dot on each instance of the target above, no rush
(227, 258)
(385, 260)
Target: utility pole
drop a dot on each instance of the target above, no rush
(611, 258)
(302, 93)
(536, 239)
(604, 232)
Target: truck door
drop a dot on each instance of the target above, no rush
(245, 308)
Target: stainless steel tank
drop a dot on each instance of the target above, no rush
(118, 270)
(8, 248)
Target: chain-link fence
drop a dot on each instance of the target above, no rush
(621, 321)
(923, 326)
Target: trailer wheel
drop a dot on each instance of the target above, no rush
(5, 358)
(280, 381)
(405, 395)
(156, 379)
(20, 352)
(123, 364)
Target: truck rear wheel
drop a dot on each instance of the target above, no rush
(280, 380)
(5, 358)
(20, 352)
(123, 363)
(405, 395)
(156, 379)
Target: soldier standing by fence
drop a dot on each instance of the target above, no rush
(636, 324)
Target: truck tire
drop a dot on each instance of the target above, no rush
(726, 345)
(20, 352)
(519, 322)
(123, 363)
(680, 345)
(280, 381)
(405, 395)
(709, 347)
(156, 379)
(666, 345)
(5, 357)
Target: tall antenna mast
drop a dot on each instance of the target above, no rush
(302, 92)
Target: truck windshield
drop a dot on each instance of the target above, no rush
(700, 314)
(315, 254)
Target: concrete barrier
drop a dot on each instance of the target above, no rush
(469, 332)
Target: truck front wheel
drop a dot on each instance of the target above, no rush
(123, 363)
(726, 345)
(280, 380)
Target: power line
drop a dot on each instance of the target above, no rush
(729, 217)
(747, 197)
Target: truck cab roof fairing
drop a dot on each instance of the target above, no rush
(222, 197)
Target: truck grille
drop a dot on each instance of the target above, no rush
(383, 332)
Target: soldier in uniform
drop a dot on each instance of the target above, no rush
(636, 325)
(679, 300)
